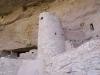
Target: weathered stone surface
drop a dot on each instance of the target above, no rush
(7, 6)
(29, 67)
(21, 27)
(77, 61)
(73, 61)
(18, 31)
(81, 61)
(9, 66)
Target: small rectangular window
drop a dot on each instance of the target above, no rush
(91, 27)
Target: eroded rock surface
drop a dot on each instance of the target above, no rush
(83, 61)
(80, 21)
(20, 28)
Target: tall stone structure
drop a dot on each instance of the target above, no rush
(51, 36)
(51, 39)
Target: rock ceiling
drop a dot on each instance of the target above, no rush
(7, 6)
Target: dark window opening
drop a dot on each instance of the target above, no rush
(97, 35)
(32, 52)
(55, 33)
(91, 27)
(41, 18)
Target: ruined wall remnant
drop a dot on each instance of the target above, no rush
(51, 39)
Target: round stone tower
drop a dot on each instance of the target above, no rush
(51, 39)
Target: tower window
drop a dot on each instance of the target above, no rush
(55, 33)
(41, 18)
(91, 27)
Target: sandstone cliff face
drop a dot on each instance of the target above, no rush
(19, 28)
(19, 23)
